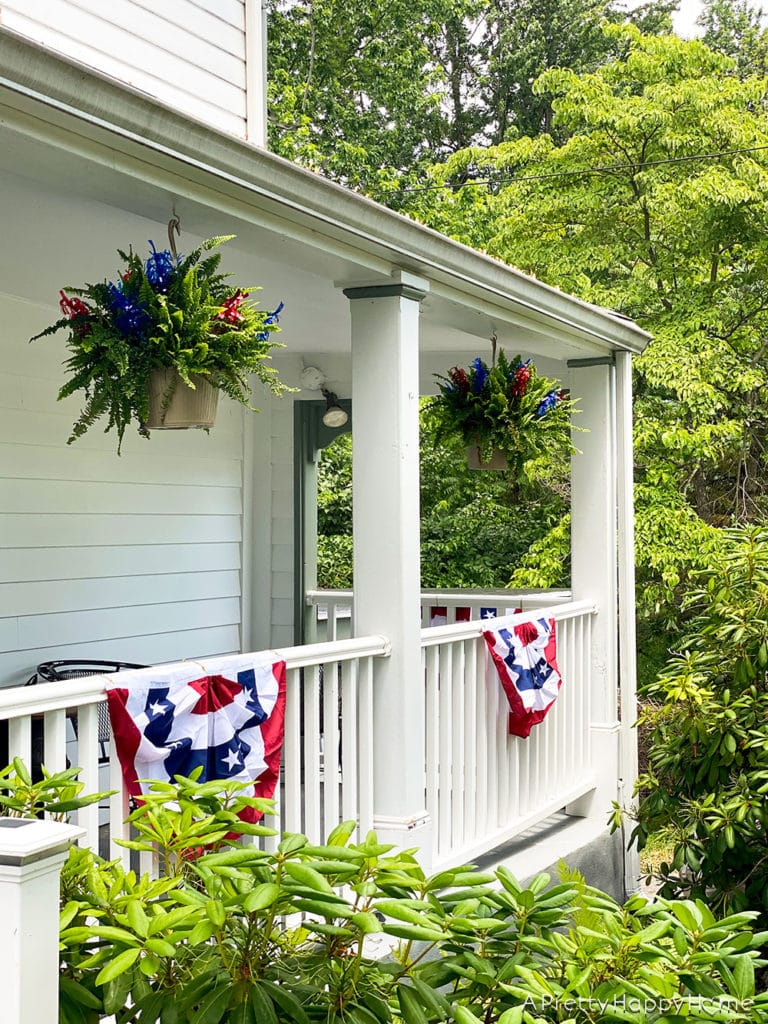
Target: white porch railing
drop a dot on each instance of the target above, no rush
(483, 785)
(327, 772)
(331, 611)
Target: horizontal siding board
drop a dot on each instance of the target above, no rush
(16, 666)
(77, 463)
(51, 564)
(17, 531)
(56, 596)
(224, 104)
(67, 496)
(201, 22)
(53, 428)
(231, 11)
(167, 38)
(114, 623)
(9, 634)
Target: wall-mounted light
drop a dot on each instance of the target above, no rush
(334, 415)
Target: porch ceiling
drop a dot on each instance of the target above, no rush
(90, 141)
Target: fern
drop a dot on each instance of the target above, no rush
(162, 313)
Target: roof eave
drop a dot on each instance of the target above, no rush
(35, 73)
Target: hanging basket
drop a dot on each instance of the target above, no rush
(175, 406)
(497, 460)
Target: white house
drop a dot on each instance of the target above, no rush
(189, 546)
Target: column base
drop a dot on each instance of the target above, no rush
(412, 832)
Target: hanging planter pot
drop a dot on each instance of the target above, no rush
(497, 459)
(506, 414)
(135, 342)
(175, 406)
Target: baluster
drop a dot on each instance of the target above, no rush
(431, 662)
(20, 739)
(457, 751)
(312, 738)
(470, 735)
(118, 812)
(349, 740)
(55, 740)
(88, 761)
(292, 819)
(365, 743)
(330, 746)
(446, 749)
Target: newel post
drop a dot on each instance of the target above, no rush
(386, 543)
(31, 856)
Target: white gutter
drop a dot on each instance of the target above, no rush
(57, 86)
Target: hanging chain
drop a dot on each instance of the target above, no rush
(494, 339)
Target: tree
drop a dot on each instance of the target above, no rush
(351, 88)
(735, 28)
(628, 214)
(371, 94)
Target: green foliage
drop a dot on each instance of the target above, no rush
(474, 527)
(735, 28)
(239, 935)
(675, 242)
(56, 794)
(372, 94)
(334, 515)
(547, 560)
(163, 313)
(508, 407)
(708, 762)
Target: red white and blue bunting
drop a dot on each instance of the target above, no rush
(525, 655)
(229, 724)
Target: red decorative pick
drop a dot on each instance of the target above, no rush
(72, 308)
(230, 313)
(520, 380)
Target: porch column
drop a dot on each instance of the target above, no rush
(626, 596)
(386, 543)
(594, 565)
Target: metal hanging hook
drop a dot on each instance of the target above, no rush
(494, 339)
(174, 227)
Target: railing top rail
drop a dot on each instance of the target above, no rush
(473, 596)
(16, 701)
(434, 635)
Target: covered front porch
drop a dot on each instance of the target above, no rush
(193, 546)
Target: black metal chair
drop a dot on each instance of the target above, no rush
(54, 671)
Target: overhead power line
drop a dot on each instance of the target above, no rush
(493, 183)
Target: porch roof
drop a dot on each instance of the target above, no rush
(313, 223)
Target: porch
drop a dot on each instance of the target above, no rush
(192, 546)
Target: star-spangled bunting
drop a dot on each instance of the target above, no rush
(179, 718)
(525, 655)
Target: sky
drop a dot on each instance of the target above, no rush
(685, 19)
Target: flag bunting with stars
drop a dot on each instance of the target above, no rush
(180, 718)
(525, 656)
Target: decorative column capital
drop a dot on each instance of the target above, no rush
(403, 284)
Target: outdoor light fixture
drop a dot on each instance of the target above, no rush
(334, 415)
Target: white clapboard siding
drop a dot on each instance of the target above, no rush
(18, 665)
(24, 599)
(191, 56)
(47, 565)
(52, 530)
